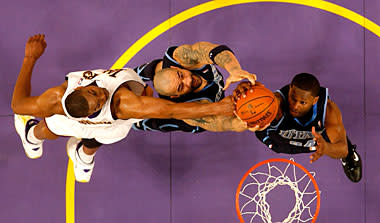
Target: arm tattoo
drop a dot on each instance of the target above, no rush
(223, 58)
(217, 123)
(201, 120)
(190, 56)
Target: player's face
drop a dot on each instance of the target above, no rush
(300, 101)
(183, 82)
(96, 97)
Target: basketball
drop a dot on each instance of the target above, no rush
(259, 107)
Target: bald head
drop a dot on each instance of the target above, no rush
(164, 81)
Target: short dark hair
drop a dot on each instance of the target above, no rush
(307, 82)
(76, 105)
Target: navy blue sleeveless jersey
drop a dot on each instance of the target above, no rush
(212, 92)
(293, 135)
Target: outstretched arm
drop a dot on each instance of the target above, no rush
(218, 123)
(44, 105)
(128, 105)
(198, 54)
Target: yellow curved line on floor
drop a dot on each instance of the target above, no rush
(190, 13)
(211, 5)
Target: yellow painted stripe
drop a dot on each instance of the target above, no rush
(212, 5)
(190, 13)
(70, 193)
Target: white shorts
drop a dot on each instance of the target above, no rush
(104, 133)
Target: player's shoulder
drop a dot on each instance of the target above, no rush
(56, 93)
(331, 105)
(51, 99)
(280, 104)
(332, 111)
(123, 95)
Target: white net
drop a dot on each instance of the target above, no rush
(254, 193)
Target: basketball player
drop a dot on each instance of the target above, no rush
(98, 106)
(187, 73)
(307, 121)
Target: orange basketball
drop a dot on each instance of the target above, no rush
(258, 107)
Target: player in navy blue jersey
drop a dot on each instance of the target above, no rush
(186, 74)
(307, 121)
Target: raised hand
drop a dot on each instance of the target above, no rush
(238, 75)
(245, 125)
(242, 88)
(320, 147)
(35, 46)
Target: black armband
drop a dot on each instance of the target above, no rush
(218, 50)
(91, 143)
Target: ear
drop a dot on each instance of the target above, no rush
(174, 67)
(315, 100)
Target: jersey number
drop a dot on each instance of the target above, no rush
(309, 143)
(90, 75)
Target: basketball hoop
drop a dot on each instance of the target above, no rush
(253, 191)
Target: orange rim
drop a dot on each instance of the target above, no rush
(283, 161)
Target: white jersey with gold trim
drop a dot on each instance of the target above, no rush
(108, 79)
(104, 128)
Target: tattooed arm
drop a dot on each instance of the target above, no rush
(218, 123)
(196, 55)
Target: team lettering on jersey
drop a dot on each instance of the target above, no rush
(299, 135)
(89, 75)
(87, 122)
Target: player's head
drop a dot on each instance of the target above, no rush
(303, 94)
(84, 101)
(175, 82)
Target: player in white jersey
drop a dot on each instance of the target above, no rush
(92, 100)
(100, 125)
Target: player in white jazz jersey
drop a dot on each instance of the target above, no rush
(88, 105)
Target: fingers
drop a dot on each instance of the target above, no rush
(240, 90)
(254, 129)
(228, 82)
(315, 133)
(252, 78)
(235, 77)
(231, 79)
(246, 75)
(319, 147)
(37, 38)
(315, 156)
(237, 116)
